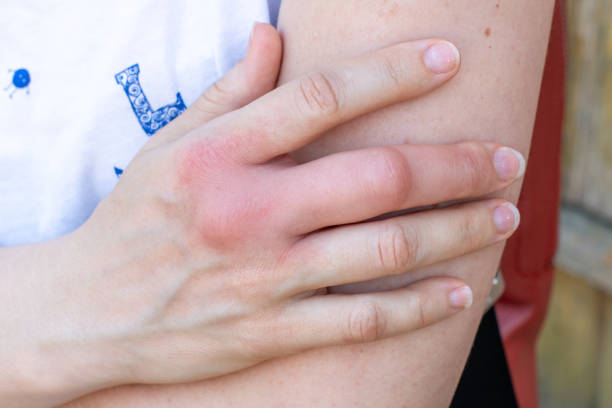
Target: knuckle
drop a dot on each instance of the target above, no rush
(221, 212)
(471, 232)
(474, 166)
(320, 94)
(397, 249)
(393, 68)
(194, 160)
(366, 323)
(213, 99)
(391, 177)
(420, 306)
(219, 90)
(217, 94)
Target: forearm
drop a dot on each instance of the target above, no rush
(493, 98)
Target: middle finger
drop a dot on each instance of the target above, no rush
(354, 186)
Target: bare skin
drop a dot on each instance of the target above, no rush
(494, 98)
(206, 259)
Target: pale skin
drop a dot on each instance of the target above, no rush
(206, 259)
(494, 98)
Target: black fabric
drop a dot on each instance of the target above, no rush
(486, 379)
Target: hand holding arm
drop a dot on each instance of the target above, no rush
(206, 258)
(494, 98)
(326, 376)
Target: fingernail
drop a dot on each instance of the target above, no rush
(461, 298)
(509, 163)
(506, 218)
(441, 58)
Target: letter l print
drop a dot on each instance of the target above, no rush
(150, 120)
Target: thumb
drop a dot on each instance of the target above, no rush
(253, 76)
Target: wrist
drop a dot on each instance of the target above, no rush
(49, 356)
(52, 376)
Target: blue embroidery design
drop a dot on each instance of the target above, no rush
(118, 172)
(150, 120)
(21, 80)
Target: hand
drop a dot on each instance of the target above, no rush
(210, 254)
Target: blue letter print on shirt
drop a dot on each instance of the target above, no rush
(150, 120)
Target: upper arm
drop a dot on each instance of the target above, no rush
(494, 96)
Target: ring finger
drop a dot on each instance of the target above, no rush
(373, 250)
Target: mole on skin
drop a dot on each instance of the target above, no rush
(487, 31)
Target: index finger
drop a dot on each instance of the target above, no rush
(296, 113)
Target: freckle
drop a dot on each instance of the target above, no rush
(497, 5)
(389, 8)
(394, 8)
(487, 32)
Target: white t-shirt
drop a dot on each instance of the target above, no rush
(85, 83)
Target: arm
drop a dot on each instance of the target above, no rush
(493, 98)
(206, 258)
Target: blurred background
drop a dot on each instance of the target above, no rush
(575, 348)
